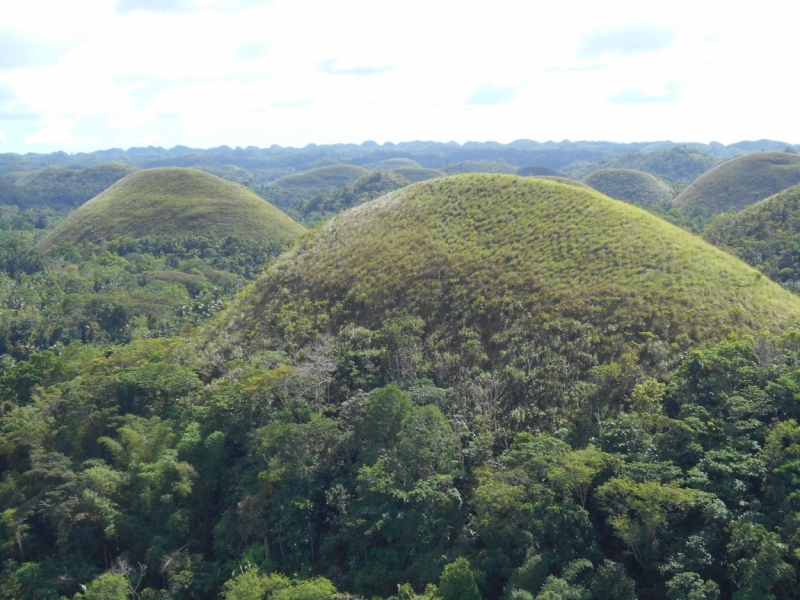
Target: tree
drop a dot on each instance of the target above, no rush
(108, 587)
(757, 567)
(458, 582)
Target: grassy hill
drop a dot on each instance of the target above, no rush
(631, 186)
(740, 182)
(500, 273)
(322, 180)
(679, 165)
(536, 170)
(68, 188)
(391, 164)
(564, 180)
(172, 204)
(417, 174)
(765, 235)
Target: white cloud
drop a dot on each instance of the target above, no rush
(2, 136)
(207, 72)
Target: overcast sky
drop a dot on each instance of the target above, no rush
(91, 74)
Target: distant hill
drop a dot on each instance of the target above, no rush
(393, 163)
(680, 165)
(11, 195)
(490, 273)
(564, 180)
(323, 179)
(59, 188)
(368, 187)
(740, 182)
(631, 186)
(765, 235)
(536, 170)
(176, 204)
(415, 174)
(480, 166)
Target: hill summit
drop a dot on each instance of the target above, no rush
(629, 185)
(173, 204)
(740, 182)
(499, 272)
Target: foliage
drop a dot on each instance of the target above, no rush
(740, 182)
(172, 206)
(636, 187)
(60, 188)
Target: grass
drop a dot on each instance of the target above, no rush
(321, 180)
(740, 182)
(537, 170)
(417, 174)
(68, 188)
(172, 204)
(391, 164)
(511, 262)
(765, 235)
(562, 179)
(628, 185)
(679, 165)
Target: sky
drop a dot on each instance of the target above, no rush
(93, 74)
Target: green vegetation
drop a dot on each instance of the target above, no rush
(636, 187)
(740, 182)
(11, 195)
(765, 235)
(564, 180)
(679, 165)
(479, 166)
(484, 387)
(537, 170)
(323, 206)
(324, 179)
(417, 174)
(391, 164)
(174, 205)
(483, 260)
(59, 188)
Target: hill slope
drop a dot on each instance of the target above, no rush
(679, 165)
(321, 180)
(507, 274)
(11, 195)
(417, 174)
(740, 182)
(67, 188)
(631, 186)
(765, 235)
(172, 204)
(537, 170)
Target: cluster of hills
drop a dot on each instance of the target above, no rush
(505, 373)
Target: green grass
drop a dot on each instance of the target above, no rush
(740, 182)
(680, 165)
(67, 188)
(176, 204)
(493, 263)
(320, 180)
(561, 179)
(537, 170)
(636, 187)
(391, 164)
(765, 235)
(417, 174)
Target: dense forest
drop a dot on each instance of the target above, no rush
(475, 387)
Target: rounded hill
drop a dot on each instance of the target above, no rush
(537, 170)
(172, 204)
(630, 185)
(765, 235)
(499, 272)
(393, 163)
(321, 180)
(67, 188)
(417, 174)
(740, 182)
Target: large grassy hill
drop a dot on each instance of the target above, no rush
(59, 188)
(321, 180)
(176, 204)
(740, 182)
(631, 186)
(500, 273)
(765, 235)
